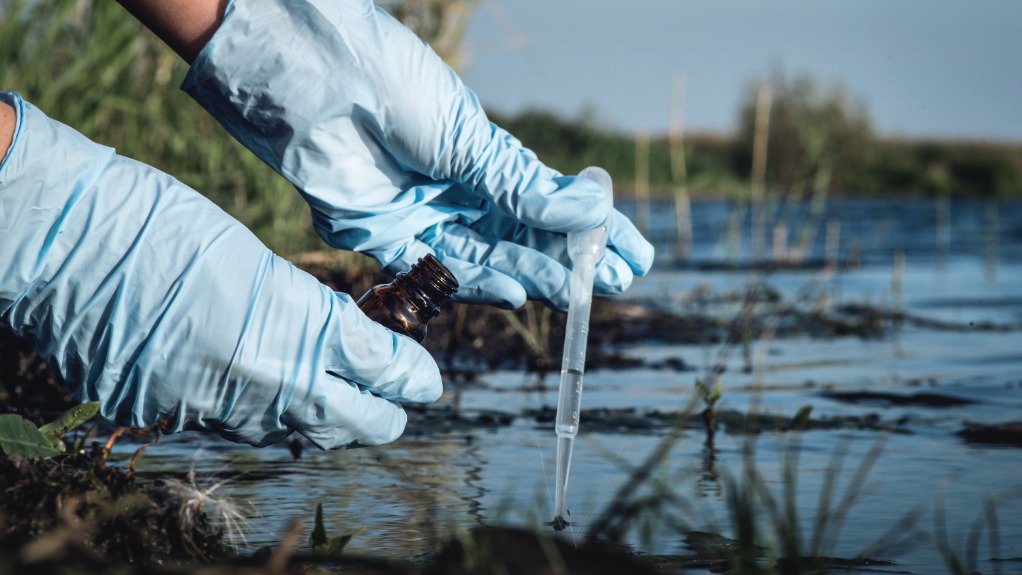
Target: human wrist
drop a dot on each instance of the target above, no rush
(184, 25)
(8, 123)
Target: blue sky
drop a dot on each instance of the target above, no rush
(923, 67)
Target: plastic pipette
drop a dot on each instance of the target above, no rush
(585, 248)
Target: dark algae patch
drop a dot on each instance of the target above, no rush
(431, 420)
(923, 399)
(993, 434)
(634, 421)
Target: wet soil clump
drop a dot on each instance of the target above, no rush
(27, 385)
(73, 510)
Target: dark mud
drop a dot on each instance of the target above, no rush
(633, 421)
(426, 420)
(27, 385)
(993, 434)
(924, 399)
(74, 510)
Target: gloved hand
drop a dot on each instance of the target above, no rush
(395, 156)
(150, 299)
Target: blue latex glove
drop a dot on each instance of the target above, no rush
(395, 156)
(150, 299)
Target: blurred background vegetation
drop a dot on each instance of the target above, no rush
(92, 66)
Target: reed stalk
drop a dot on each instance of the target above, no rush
(679, 177)
(761, 136)
(642, 183)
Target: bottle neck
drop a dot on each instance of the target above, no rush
(427, 284)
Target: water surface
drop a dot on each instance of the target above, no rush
(959, 263)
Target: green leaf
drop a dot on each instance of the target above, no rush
(716, 392)
(323, 545)
(334, 545)
(318, 537)
(701, 388)
(20, 437)
(802, 417)
(67, 421)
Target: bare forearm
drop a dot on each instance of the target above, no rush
(185, 25)
(6, 128)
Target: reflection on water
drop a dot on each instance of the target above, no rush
(709, 484)
(961, 263)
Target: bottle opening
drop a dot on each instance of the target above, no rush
(433, 278)
(427, 285)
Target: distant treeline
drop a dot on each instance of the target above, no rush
(815, 141)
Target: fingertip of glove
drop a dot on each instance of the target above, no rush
(390, 431)
(644, 261)
(614, 275)
(379, 433)
(382, 429)
(482, 285)
(627, 242)
(425, 384)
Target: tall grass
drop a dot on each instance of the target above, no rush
(94, 67)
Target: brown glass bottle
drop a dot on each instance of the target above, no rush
(406, 304)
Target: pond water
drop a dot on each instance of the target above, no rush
(956, 262)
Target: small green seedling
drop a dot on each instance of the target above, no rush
(19, 437)
(67, 421)
(322, 544)
(709, 394)
(801, 419)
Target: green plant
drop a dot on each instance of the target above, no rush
(963, 560)
(19, 437)
(320, 543)
(439, 23)
(818, 138)
(709, 394)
